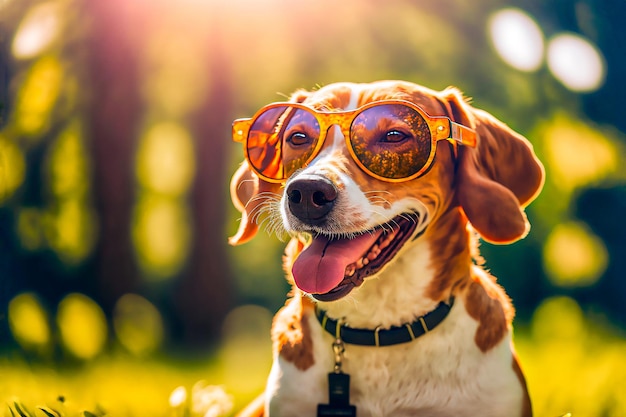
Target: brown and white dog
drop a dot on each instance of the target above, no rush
(466, 365)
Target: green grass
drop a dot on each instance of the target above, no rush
(573, 364)
(123, 386)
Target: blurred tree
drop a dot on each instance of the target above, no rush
(114, 111)
(4, 75)
(206, 294)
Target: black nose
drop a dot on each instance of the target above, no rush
(311, 197)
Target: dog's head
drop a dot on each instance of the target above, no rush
(356, 214)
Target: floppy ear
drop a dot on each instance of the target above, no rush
(248, 194)
(497, 178)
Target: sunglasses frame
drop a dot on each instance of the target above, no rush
(441, 128)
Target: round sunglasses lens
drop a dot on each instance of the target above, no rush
(282, 140)
(300, 137)
(391, 140)
(264, 144)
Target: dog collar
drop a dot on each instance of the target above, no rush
(385, 337)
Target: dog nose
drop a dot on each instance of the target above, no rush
(311, 197)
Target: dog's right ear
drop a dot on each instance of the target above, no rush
(248, 194)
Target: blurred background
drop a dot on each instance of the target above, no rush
(116, 281)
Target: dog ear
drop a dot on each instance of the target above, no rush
(497, 178)
(248, 194)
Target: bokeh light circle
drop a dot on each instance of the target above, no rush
(574, 256)
(517, 38)
(38, 30)
(28, 322)
(82, 326)
(138, 324)
(576, 62)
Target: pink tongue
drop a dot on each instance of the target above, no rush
(321, 266)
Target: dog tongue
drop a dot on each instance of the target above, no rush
(322, 265)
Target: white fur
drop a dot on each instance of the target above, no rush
(442, 373)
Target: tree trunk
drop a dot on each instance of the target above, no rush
(206, 294)
(115, 108)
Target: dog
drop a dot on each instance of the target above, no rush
(384, 189)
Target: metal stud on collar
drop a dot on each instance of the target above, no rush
(406, 332)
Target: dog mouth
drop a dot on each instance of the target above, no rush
(329, 268)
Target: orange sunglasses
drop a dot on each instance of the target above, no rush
(391, 140)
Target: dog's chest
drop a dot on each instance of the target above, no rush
(442, 373)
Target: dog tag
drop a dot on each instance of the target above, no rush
(338, 388)
(338, 397)
(326, 410)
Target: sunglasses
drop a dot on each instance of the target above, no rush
(391, 140)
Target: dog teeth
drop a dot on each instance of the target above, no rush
(387, 239)
(373, 253)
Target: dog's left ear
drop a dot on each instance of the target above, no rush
(248, 194)
(496, 179)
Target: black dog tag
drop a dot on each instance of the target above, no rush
(339, 388)
(338, 397)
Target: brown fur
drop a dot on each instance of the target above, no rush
(486, 302)
(291, 334)
(450, 255)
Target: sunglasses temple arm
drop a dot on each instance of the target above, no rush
(462, 134)
(241, 127)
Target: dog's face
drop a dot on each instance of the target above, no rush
(356, 224)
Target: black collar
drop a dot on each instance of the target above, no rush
(385, 337)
